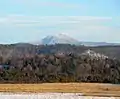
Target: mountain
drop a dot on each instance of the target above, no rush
(98, 44)
(59, 39)
(65, 39)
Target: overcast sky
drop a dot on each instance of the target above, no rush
(85, 20)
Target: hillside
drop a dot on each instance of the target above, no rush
(26, 63)
(22, 49)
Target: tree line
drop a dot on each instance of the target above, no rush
(59, 68)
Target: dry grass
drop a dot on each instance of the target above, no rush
(85, 88)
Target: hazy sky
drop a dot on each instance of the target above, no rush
(85, 20)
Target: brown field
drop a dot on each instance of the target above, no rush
(94, 89)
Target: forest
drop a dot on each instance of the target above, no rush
(26, 63)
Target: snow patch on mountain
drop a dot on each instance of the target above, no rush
(59, 39)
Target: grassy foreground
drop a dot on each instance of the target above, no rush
(94, 89)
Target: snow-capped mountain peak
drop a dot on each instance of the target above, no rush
(62, 35)
(64, 38)
(59, 39)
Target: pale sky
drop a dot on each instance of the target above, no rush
(85, 20)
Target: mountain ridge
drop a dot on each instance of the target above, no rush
(65, 39)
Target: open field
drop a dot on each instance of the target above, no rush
(87, 89)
